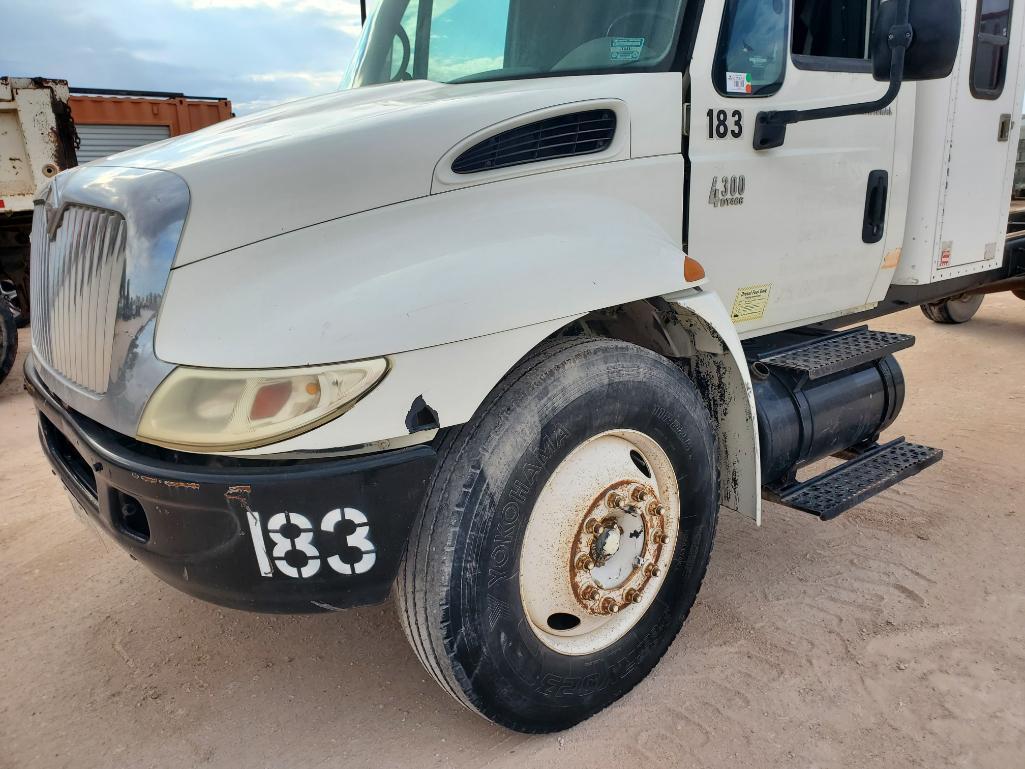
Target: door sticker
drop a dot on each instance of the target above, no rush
(738, 82)
(751, 303)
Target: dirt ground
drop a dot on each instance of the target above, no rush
(893, 637)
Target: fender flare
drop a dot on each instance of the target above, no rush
(720, 368)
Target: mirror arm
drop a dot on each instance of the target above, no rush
(771, 126)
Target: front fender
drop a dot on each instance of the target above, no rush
(720, 368)
(433, 271)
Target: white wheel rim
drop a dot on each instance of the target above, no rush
(599, 542)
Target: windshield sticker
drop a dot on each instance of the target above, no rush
(738, 82)
(626, 48)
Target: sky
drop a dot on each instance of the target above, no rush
(255, 52)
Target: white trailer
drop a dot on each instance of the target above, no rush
(502, 324)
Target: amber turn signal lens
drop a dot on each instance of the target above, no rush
(692, 270)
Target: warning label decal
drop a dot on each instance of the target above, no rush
(750, 303)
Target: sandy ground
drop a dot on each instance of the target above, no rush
(893, 637)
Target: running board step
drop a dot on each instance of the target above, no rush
(834, 353)
(869, 473)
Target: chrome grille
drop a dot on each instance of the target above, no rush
(76, 280)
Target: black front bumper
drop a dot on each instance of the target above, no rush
(285, 536)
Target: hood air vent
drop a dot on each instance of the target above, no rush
(579, 133)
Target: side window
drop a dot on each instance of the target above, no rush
(989, 59)
(835, 30)
(751, 57)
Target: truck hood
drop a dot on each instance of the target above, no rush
(332, 156)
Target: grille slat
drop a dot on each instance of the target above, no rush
(76, 279)
(580, 133)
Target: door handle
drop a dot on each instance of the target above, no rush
(875, 207)
(1006, 126)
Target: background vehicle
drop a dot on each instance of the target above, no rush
(8, 332)
(37, 141)
(553, 283)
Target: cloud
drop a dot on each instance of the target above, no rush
(343, 15)
(255, 52)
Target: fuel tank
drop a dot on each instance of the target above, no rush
(802, 420)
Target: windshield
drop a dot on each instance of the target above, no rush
(454, 41)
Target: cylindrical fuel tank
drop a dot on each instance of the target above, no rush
(802, 421)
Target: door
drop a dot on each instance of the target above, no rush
(782, 233)
(987, 100)
(100, 141)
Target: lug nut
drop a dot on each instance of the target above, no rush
(638, 494)
(593, 526)
(659, 538)
(632, 596)
(589, 593)
(613, 501)
(585, 563)
(609, 606)
(652, 570)
(656, 509)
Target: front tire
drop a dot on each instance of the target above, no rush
(604, 450)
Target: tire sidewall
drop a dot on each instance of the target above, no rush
(9, 340)
(510, 675)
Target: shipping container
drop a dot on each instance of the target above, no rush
(110, 121)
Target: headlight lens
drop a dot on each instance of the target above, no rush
(199, 409)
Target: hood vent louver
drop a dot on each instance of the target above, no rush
(578, 133)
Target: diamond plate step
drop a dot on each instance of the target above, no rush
(839, 352)
(868, 474)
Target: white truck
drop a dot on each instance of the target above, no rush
(505, 321)
(37, 141)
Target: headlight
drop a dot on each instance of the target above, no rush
(198, 409)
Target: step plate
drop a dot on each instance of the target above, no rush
(857, 480)
(840, 352)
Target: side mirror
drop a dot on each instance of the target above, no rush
(936, 35)
(912, 40)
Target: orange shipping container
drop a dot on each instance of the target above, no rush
(113, 121)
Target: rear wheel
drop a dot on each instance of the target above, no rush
(565, 535)
(8, 339)
(958, 309)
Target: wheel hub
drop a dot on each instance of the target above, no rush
(606, 544)
(617, 548)
(600, 540)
